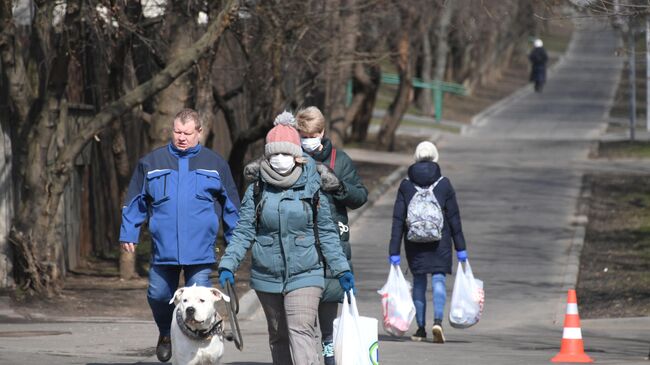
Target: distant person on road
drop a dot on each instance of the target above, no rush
(433, 257)
(538, 59)
(288, 249)
(343, 191)
(184, 189)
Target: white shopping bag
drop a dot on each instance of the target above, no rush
(467, 298)
(397, 303)
(355, 337)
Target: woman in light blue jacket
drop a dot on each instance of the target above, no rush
(277, 224)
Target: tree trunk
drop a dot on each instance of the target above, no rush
(442, 42)
(393, 116)
(632, 78)
(6, 206)
(345, 28)
(33, 234)
(425, 100)
(647, 72)
(177, 95)
(366, 87)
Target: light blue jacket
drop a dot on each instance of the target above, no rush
(284, 254)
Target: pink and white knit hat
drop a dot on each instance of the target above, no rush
(283, 138)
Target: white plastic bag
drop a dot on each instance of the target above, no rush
(355, 337)
(397, 303)
(467, 298)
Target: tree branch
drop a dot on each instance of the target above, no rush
(138, 95)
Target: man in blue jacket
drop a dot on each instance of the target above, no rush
(184, 190)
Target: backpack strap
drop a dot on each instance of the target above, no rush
(437, 181)
(257, 197)
(333, 158)
(315, 201)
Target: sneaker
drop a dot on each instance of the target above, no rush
(438, 335)
(164, 348)
(420, 335)
(328, 353)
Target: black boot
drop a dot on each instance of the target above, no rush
(420, 335)
(164, 348)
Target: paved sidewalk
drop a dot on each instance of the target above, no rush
(517, 176)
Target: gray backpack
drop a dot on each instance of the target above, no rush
(424, 217)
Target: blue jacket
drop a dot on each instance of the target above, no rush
(284, 255)
(184, 194)
(430, 257)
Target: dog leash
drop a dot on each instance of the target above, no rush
(233, 310)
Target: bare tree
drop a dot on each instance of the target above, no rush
(48, 163)
(404, 62)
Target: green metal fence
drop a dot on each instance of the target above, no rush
(438, 89)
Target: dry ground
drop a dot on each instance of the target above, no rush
(614, 279)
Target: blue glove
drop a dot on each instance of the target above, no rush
(393, 259)
(224, 276)
(461, 255)
(347, 282)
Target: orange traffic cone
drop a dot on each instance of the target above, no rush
(572, 349)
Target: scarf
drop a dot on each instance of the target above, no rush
(274, 178)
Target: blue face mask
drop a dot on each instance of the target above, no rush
(310, 144)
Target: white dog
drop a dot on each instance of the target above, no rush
(197, 327)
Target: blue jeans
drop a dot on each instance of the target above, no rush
(163, 282)
(420, 298)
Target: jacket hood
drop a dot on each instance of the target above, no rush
(424, 173)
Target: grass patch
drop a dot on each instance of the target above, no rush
(557, 35)
(613, 280)
(624, 149)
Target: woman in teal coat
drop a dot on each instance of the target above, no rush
(287, 272)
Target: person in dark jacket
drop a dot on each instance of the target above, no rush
(538, 59)
(428, 258)
(184, 190)
(344, 190)
(287, 273)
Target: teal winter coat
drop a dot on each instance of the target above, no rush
(284, 253)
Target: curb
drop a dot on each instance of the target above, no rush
(580, 219)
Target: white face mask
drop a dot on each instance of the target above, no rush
(310, 144)
(282, 163)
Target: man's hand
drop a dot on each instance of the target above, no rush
(128, 247)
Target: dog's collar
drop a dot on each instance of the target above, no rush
(204, 335)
